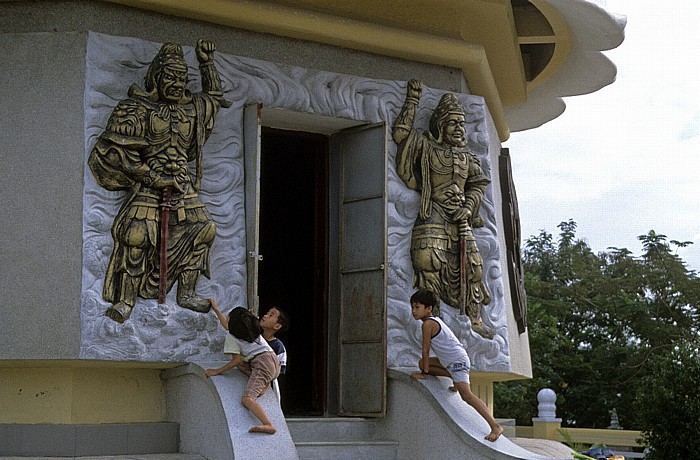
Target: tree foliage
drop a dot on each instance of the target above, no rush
(597, 324)
(668, 406)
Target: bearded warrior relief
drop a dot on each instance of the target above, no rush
(152, 149)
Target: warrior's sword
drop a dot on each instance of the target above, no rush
(164, 223)
(471, 272)
(463, 263)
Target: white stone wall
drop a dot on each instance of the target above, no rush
(170, 333)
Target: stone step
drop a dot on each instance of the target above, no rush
(305, 429)
(117, 457)
(82, 440)
(348, 450)
(339, 438)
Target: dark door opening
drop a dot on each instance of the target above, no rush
(293, 273)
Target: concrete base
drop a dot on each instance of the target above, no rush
(214, 423)
(340, 438)
(79, 440)
(456, 430)
(545, 447)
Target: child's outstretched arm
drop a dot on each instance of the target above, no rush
(235, 361)
(222, 318)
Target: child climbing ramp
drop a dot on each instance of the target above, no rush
(264, 364)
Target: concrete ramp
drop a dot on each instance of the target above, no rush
(433, 422)
(214, 423)
(425, 417)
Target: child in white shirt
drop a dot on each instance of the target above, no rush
(264, 365)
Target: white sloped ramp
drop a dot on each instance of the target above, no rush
(214, 423)
(430, 421)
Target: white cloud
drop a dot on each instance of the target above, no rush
(626, 159)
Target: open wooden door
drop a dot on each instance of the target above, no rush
(362, 296)
(251, 140)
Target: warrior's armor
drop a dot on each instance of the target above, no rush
(151, 144)
(449, 177)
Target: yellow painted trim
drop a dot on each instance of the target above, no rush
(76, 363)
(537, 40)
(80, 392)
(482, 384)
(561, 41)
(347, 33)
(483, 389)
(546, 430)
(627, 438)
(498, 376)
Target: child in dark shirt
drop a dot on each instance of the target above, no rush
(272, 322)
(264, 365)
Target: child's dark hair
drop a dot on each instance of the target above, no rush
(282, 319)
(426, 297)
(243, 325)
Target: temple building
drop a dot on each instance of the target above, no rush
(289, 161)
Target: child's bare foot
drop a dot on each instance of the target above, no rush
(267, 429)
(494, 434)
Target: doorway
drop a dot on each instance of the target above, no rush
(293, 273)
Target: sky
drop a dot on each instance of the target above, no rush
(626, 159)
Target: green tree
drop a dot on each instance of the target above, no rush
(595, 323)
(668, 403)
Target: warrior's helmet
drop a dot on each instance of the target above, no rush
(447, 106)
(171, 57)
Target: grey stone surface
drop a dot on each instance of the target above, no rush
(379, 450)
(169, 333)
(43, 73)
(104, 17)
(10, 439)
(76, 440)
(117, 457)
(548, 448)
(456, 430)
(111, 440)
(214, 423)
(149, 438)
(58, 440)
(311, 429)
(41, 174)
(339, 438)
(194, 403)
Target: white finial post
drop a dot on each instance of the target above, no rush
(546, 425)
(547, 407)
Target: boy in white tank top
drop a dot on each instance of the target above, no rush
(441, 340)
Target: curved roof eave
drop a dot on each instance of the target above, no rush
(585, 70)
(489, 62)
(471, 58)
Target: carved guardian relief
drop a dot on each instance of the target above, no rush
(152, 150)
(166, 332)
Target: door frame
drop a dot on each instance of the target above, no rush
(256, 116)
